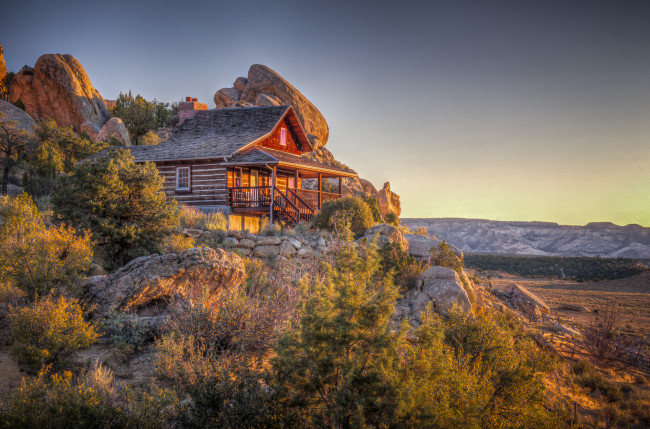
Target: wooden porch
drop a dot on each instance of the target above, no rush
(281, 196)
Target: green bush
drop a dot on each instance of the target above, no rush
(49, 330)
(121, 202)
(391, 219)
(444, 256)
(374, 208)
(404, 267)
(351, 210)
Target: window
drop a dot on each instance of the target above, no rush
(283, 136)
(183, 179)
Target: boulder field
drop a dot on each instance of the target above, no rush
(59, 88)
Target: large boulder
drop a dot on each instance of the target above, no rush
(3, 66)
(13, 113)
(442, 286)
(438, 286)
(59, 88)
(265, 87)
(152, 279)
(226, 97)
(114, 128)
(90, 128)
(388, 201)
(383, 233)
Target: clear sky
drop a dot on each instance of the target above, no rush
(507, 110)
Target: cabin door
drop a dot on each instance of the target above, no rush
(254, 183)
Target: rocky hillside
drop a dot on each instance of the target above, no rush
(539, 238)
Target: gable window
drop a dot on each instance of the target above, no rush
(283, 136)
(183, 179)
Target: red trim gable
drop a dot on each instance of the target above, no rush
(297, 133)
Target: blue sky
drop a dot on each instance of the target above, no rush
(508, 110)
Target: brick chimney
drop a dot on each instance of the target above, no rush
(188, 108)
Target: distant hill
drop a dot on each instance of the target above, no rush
(539, 238)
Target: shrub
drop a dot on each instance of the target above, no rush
(391, 219)
(404, 267)
(121, 202)
(374, 208)
(56, 150)
(35, 258)
(205, 327)
(175, 243)
(191, 217)
(48, 330)
(126, 328)
(213, 239)
(63, 401)
(444, 256)
(586, 375)
(352, 210)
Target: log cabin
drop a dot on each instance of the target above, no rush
(249, 162)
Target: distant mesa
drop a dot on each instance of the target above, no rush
(603, 239)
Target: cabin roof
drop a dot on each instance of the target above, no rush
(262, 155)
(217, 133)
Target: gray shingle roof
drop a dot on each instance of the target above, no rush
(211, 134)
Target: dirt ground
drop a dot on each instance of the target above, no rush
(629, 298)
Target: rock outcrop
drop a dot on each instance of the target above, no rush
(59, 88)
(388, 201)
(383, 233)
(539, 238)
(420, 246)
(151, 279)
(438, 286)
(3, 66)
(13, 113)
(114, 128)
(90, 128)
(265, 87)
(526, 301)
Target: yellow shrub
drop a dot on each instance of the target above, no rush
(177, 243)
(48, 330)
(35, 258)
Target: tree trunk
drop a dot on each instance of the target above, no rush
(5, 178)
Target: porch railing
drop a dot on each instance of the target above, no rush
(311, 197)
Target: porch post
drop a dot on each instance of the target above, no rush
(340, 186)
(272, 195)
(320, 190)
(296, 179)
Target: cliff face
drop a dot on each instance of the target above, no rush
(539, 238)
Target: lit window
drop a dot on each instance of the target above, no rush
(283, 136)
(183, 179)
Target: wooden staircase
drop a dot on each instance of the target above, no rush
(287, 207)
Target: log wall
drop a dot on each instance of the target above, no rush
(207, 183)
